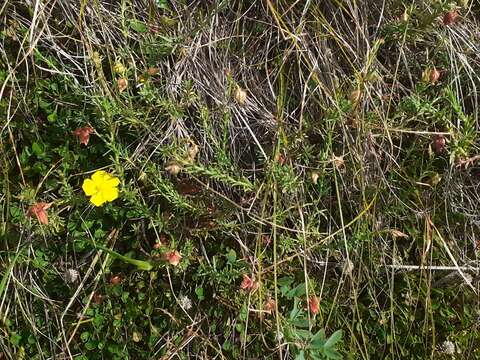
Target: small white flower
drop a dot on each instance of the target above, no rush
(447, 347)
(185, 302)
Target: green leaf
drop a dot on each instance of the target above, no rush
(52, 117)
(318, 340)
(333, 339)
(303, 334)
(138, 26)
(301, 322)
(231, 256)
(300, 356)
(6, 275)
(285, 281)
(332, 354)
(297, 291)
(200, 293)
(140, 264)
(38, 149)
(15, 339)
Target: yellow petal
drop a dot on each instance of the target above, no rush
(112, 181)
(97, 199)
(110, 194)
(98, 176)
(89, 187)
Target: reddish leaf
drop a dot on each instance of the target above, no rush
(39, 210)
(83, 134)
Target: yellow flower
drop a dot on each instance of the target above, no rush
(102, 187)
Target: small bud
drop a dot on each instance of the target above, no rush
(339, 162)
(281, 159)
(83, 134)
(315, 177)
(39, 210)
(240, 95)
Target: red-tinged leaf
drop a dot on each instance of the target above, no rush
(39, 210)
(83, 134)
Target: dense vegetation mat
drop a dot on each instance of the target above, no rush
(239, 179)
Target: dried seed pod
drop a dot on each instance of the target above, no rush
(314, 304)
(122, 84)
(355, 96)
(450, 17)
(116, 279)
(71, 275)
(173, 257)
(153, 71)
(173, 169)
(438, 144)
(240, 95)
(434, 76)
(270, 305)
(97, 298)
